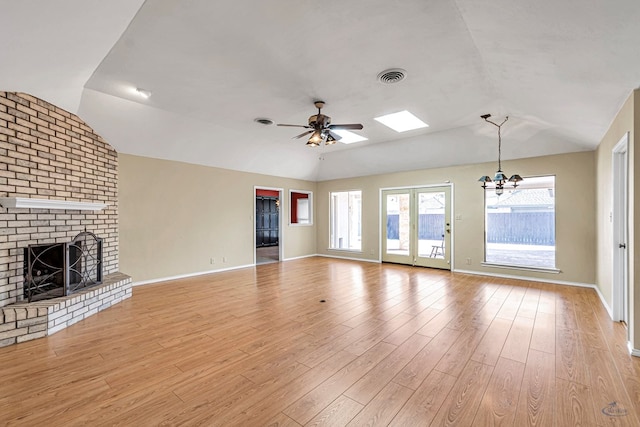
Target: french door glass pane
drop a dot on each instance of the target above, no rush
(431, 225)
(398, 224)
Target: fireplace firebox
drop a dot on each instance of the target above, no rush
(60, 269)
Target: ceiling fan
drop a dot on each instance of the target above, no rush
(321, 129)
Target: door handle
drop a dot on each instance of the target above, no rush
(622, 245)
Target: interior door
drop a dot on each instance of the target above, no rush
(417, 226)
(267, 221)
(620, 220)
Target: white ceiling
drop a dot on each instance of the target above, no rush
(559, 69)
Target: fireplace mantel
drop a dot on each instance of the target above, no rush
(34, 203)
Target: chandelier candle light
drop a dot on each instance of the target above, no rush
(500, 178)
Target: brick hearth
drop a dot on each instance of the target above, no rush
(26, 321)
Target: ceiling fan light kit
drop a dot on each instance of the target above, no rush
(315, 139)
(321, 129)
(500, 178)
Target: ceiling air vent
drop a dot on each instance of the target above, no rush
(392, 75)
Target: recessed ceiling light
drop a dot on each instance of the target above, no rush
(401, 121)
(349, 137)
(263, 121)
(143, 93)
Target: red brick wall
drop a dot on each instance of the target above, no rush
(49, 153)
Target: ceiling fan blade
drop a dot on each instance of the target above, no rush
(334, 135)
(303, 134)
(347, 126)
(295, 126)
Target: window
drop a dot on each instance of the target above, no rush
(346, 217)
(300, 207)
(520, 224)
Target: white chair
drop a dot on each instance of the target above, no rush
(437, 249)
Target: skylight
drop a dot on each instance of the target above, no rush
(401, 121)
(349, 137)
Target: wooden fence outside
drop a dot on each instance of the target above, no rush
(523, 228)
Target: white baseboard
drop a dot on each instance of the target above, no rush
(604, 302)
(184, 276)
(348, 258)
(299, 257)
(555, 282)
(633, 351)
(202, 273)
(531, 279)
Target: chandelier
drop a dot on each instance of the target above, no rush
(500, 179)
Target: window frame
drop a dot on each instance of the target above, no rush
(331, 221)
(505, 265)
(292, 211)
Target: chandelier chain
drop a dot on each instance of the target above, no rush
(500, 179)
(499, 126)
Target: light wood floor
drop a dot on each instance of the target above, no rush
(267, 254)
(392, 345)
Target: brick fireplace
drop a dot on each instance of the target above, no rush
(50, 155)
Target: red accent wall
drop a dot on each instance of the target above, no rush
(268, 193)
(294, 205)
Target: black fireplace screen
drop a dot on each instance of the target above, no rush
(62, 268)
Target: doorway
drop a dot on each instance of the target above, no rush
(619, 217)
(416, 226)
(267, 225)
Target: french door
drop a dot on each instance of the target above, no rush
(416, 226)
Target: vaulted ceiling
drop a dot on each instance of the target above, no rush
(559, 69)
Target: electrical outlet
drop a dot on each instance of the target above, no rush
(458, 217)
(468, 261)
(212, 261)
(224, 259)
